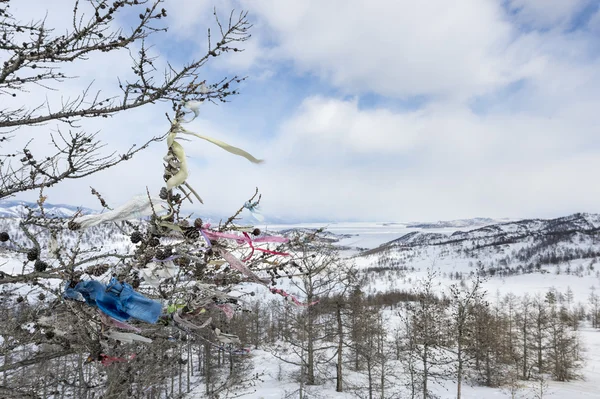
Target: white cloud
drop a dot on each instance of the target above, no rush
(532, 149)
(399, 49)
(546, 14)
(440, 162)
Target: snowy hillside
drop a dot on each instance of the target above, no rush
(459, 223)
(520, 255)
(527, 257)
(503, 233)
(10, 209)
(531, 257)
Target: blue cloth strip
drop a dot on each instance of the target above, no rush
(118, 300)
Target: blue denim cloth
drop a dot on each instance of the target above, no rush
(118, 300)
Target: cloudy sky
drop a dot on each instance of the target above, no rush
(375, 110)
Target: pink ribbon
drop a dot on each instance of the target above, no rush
(109, 321)
(245, 239)
(227, 309)
(213, 235)
(238, 265)
(108, 360)
(290, 297)
(252, 247)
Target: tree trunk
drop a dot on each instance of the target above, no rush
(340, 331)
(459, 371)
(425, 371)
(370, 375)
(525, 352)
(310, 350)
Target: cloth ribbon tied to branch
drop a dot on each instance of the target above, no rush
(254, 211)
(106, 360)
(291, 298)
(155, 272)
(137, 207)
(177, 151)
(117, 300)
(245, 239)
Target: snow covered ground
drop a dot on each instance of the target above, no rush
(276, 375)
(277, 382)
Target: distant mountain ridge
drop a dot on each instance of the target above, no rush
(503, 233)
(459, 223)
(16, 208)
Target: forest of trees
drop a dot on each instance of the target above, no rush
(393, 344)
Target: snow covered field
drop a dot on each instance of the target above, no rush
(275, 374)
(277, 377)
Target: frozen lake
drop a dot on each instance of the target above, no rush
(370, 234)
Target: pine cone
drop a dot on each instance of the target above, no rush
(184, 223)
(136, 237)
(256, 232)
(135, 282)
(154, 242)
(191, 233)
(33, 254)
(162, 254)
(73, 225)
(163, 193)
(198, 223)
(182, 261)
(4, 236)
(40, 265)
(97, 270)
(147, 255)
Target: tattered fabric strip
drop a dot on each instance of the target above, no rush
(226, 338)
(117, 300)
(138, 207)
(225, 146)
(127, 337)
(249, 242)
(155, 273)
(269, 251)
(208, 243)
(182, 174)
(220, 347)
(108, 360)
(214, 235)
(179, 320)
(291, 298)
(238, 265)
(227, 309)
(254, 211)
(109, 321)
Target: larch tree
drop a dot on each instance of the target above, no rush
(77, 304)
